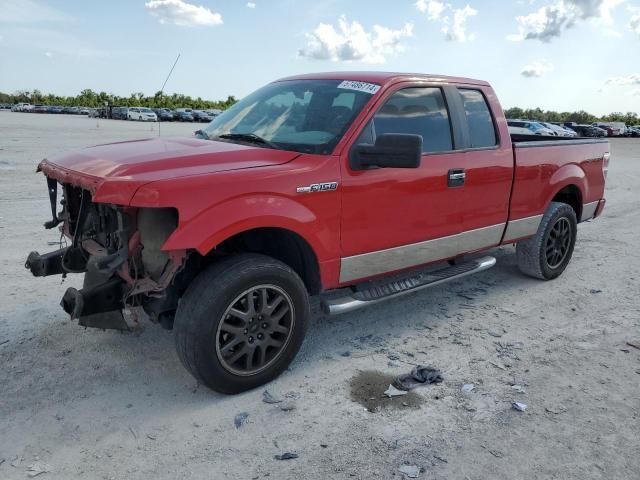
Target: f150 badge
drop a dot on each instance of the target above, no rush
(318, 187)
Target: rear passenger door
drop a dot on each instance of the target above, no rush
(488, 162)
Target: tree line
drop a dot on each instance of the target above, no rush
(89, 98)
(630, 118)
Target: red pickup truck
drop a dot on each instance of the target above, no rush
(355, 187)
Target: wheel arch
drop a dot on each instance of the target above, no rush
(569, 185)
(284, 245)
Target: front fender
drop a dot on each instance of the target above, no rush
(221, 221)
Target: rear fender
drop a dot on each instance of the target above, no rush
(565, 176)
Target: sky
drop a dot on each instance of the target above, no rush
(562, 55)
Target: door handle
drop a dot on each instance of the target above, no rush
(456, 177)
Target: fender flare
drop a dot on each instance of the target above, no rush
(245, 213)
(566, 176)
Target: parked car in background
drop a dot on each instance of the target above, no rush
(558, 130)
(96, 112)
(214, 112)
(182, 115)
(163, 114)
(6, 106)
(617, 129)
(589, 131)
(201, 116)
(534, 128)
(57, 109)
(142, 114)
(21, 107)
(119, 113)
(633, 132)
(39, 109)
(84, 110)
(71, 110)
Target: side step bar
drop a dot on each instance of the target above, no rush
(373, 292)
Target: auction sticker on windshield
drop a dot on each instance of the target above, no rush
(371, 88)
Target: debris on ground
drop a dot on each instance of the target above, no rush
(37, 469)
(394, 392)
(556, 410)
(498, 365)
(411, 471)
(595, 290)
(521, 407)
(267, 397)
(286, 456)
(634, 344)
(240, 419)
(419, 376)
(393, 356)
(16, 461)
(287, 406)
(494, 333)
(496, 453)
(519, 388)
(468, 387)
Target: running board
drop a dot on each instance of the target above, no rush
(373, 292)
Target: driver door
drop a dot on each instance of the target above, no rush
(397, 218)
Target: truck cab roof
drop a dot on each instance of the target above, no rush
(384, 78)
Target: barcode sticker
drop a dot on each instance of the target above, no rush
(371, 88)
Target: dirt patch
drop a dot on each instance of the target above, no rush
(367, 389)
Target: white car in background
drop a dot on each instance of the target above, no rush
(143, 114)
(22, 107)
(531, 127)
(559, 131)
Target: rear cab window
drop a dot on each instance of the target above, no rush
(482, 128)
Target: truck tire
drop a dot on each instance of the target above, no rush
(547, 254)
(241, 322)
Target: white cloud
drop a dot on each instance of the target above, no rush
(350, 42)
(536, 69)
(48, 54)
(552, 20)
(433, 8)
(251, 5)
(458, 31)
(634, 22)
(182, 13)
(454, 31)
(629, 80)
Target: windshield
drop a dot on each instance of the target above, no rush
(309, 116)
(146, 110)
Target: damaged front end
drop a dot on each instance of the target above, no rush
(118, 248)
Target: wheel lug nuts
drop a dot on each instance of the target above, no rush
(250, 339)
(265, 325)
(260, 336)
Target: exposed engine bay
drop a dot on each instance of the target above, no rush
(119, 251)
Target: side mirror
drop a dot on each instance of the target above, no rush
(391, 150)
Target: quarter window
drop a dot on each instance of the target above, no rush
(481, 127)
(418, 111)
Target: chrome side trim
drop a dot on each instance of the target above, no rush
(397, 258)
(589, 210)
(347, 303)
(523, 227)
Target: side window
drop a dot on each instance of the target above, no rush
(419, 111)
(481, 127)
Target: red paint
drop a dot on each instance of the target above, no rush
(221, 189)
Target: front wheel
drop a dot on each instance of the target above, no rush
(241, 322)
(547, 254)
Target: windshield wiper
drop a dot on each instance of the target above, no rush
(248, 137)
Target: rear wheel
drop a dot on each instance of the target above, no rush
(241, 322)
(547, 254)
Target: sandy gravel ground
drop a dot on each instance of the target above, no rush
(90, 404)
